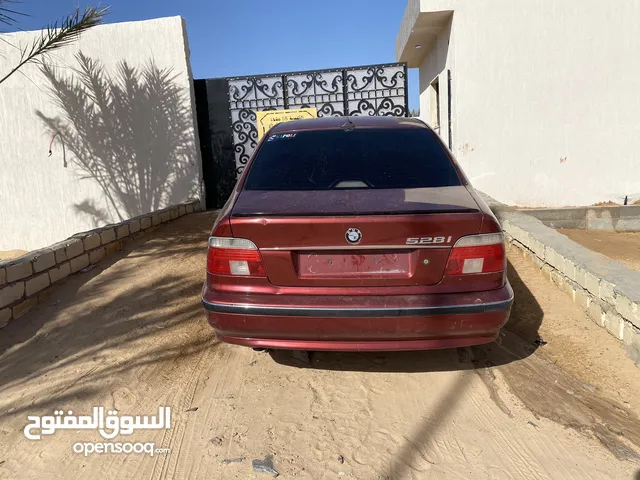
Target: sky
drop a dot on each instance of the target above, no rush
(246, 37)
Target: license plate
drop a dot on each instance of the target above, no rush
(351, 264)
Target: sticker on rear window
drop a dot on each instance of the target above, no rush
(281, 136)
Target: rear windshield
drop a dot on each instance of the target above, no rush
(360, 158)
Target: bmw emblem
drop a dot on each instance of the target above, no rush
(353, 235)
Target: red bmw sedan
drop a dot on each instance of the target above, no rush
(357, 233)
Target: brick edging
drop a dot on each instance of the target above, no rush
(608, 291)
(23, 280)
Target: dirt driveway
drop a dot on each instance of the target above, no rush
(130, 335)
(621, 246)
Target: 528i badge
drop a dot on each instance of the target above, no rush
(428, 240)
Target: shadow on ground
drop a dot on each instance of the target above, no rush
(518, 341)
(544, 388)
(138, 308)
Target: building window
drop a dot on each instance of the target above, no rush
(434, 96)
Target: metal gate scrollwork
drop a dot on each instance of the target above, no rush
(377, 90)
(246, 96)
(322, 90)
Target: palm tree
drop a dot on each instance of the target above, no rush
(53, 36)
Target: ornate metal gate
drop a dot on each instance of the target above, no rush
(368, 90)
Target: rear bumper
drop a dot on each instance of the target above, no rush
(364, 323)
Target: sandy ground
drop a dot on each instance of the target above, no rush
(131, 335)
(623, 247)
(11, 254)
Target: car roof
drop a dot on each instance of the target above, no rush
(333, 123)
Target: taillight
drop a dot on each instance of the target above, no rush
(477, 254)
(234, 256)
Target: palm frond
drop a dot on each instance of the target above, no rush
(8, 15)
(70, 28)
(59, 35)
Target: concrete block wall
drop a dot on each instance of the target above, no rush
(618, 218)
(608, 291)
(24, 280)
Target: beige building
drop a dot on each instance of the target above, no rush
(538, 100)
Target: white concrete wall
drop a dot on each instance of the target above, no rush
(545, 98)
(134, 152)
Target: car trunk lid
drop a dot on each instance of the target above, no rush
(405, 235)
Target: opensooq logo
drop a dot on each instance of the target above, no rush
(109, 426)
